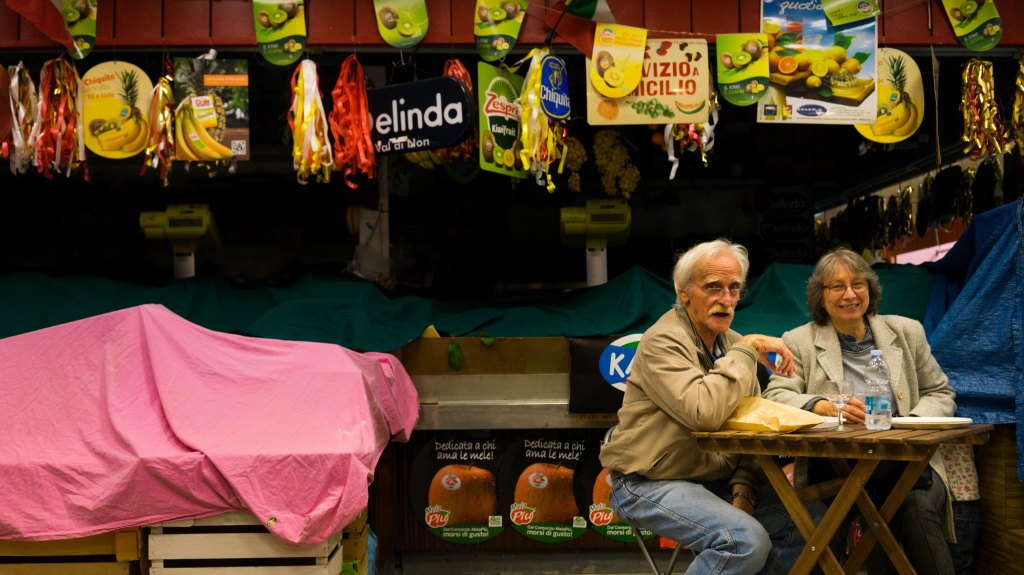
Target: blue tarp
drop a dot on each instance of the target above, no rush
(974, 319)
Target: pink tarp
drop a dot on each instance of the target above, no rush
(138, 416)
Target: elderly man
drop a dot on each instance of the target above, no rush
(689, 373)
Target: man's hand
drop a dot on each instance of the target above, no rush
(853, 412)
(743, 503)
(765, 345)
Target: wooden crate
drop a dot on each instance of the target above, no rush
(107, 554)
(235, 544)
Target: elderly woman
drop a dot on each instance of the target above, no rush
(843, 295)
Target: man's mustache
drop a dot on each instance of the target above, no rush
(718, 308)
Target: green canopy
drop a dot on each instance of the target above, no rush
(356, 314)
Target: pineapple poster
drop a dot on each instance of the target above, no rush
(900, 99)
(217, 94)
(818, 73)
(115, 97)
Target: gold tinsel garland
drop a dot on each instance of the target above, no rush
(984, 133)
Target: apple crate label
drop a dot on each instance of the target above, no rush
(544, 508)
(499, 120)
(462, 498)
(818, 73)
(554, 88)
(496, 25)
(420, 115)
(976, 23)
(116, 95)
(280, 30)
(80, 20)
(616, 360)
(742, 67)
(603, 518)
(673, 87)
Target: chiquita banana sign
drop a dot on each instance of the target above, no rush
(115, 95)
(420, 115)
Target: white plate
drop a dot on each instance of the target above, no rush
(930, 422)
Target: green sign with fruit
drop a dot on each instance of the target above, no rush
(80, 18)
(499, 120)
(976, 23)
(280, 30)
(673, 87)
(496, 25)
(742, 67)
(401, 23)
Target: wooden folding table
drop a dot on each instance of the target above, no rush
(868, 448)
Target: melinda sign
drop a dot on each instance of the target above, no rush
(418, 116)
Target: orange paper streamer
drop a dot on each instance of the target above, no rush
(351, 124)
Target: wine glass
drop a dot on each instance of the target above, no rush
(842, 394)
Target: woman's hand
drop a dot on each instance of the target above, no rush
(764, 345)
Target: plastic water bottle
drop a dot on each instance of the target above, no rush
(879, 394)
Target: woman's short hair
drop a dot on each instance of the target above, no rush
(690, 261)
(826, 267)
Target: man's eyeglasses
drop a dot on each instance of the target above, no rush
(840, 289)
(717, 290)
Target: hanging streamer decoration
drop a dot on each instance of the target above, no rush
(1017, 120)
(351, 124)
(160, 147)
(311, 150)
(541, 139)
(692, 137)
(984, 133)
(57, 135)
(466, 149)
(24, 106)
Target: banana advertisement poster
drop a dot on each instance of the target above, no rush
(900, 99)
(818, 73)
(115, 96)
(214, 98)
(672, 89)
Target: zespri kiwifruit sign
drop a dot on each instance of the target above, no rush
(498, 92)
(673, 88)
(453, 486)
(420, 115)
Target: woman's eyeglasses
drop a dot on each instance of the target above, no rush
(840, 289)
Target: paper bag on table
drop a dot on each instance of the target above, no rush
(759, 414)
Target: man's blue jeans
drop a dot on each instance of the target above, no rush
(695, 515)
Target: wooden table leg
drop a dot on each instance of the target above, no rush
(817, 550)
(877, 520)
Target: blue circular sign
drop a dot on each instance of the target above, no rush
(617, 360)
(554, 87)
